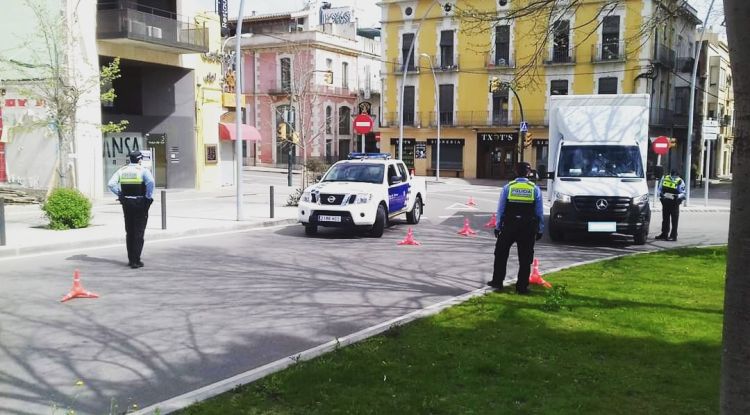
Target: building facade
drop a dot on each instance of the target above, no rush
(587, 50)
(715, 101)
(307, 74)
(169, 93)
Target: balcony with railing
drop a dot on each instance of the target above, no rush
(609, 52)
(498, 62)
(400, 65)
(450, 64)
(149, 27)
(561, 56)
(662, 117)
(464, 119)
(685, 65)
(665, 56)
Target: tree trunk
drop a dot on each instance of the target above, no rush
(735, 362)
(62, 167)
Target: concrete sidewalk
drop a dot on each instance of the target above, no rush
(189, 212)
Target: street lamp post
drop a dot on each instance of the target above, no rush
(689, 155)
(496, 85)
(437, 103)
(407, 59)
(238, 106)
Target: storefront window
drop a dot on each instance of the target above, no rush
(451, 154)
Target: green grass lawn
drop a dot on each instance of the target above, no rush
(635, 335)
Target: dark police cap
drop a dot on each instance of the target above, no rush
(523, 169)
(135, 156)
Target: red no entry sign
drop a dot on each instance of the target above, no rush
(660, 145)
(362, 124)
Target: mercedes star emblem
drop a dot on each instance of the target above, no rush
(331, 199)
(602, 204)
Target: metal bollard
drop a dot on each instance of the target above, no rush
(270, 204)
(164, 209)
(2, 221)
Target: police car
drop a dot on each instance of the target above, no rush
(364, 192)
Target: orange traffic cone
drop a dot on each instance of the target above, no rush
(471, 202)
(492, 223)
(409, 240)
(78, 291)
(466, 230)
(536, 276)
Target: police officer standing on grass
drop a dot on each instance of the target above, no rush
(134, 186)
(520, 220)
(671, 190)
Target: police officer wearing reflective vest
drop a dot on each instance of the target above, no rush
(671, 190)
(134, 186)
(520, 220)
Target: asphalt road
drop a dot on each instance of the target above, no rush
(207, 308)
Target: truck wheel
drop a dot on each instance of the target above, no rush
(640, 237)
(416, 213)
(311, 230)
(379, 226)
(555, 234)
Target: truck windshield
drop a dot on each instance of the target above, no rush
(600, 161)
(355, 172)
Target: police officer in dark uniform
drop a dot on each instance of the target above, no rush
(134, 186)
(520, 220)
(671, 190)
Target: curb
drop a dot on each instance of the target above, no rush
(160, 235)
(217, 388)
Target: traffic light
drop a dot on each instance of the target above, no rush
(295, 137)
(495, 85)
(281, 131)
(528, 140)
(672, 142)
(328, 77)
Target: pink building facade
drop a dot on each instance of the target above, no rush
(304, 83)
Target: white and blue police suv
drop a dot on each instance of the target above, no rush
(364, 192)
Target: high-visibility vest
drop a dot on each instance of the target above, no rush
(521, 192)
(131, 180)
(670, 184)
(520, 200)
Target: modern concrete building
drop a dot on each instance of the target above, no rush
(169, 92)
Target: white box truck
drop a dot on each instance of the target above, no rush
(597, 155)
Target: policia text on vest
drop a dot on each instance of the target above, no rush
(520, 220)
(134, 187)
(671, 191)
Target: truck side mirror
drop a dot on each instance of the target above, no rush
(395, 180)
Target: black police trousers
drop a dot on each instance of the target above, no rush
(670, 210)
(135, 211)
(522, 232)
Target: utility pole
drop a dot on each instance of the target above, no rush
(238, 108)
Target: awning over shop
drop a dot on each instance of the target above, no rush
(228, 131)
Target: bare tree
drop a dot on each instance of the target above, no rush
(545, 17)
(309, 125)
(51, 76)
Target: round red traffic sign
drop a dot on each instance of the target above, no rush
(363, 124)
(660, 145)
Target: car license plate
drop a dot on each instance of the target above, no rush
(324, 218)
(602, 227)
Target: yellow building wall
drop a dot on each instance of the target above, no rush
(208, 103)
(472, 93)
